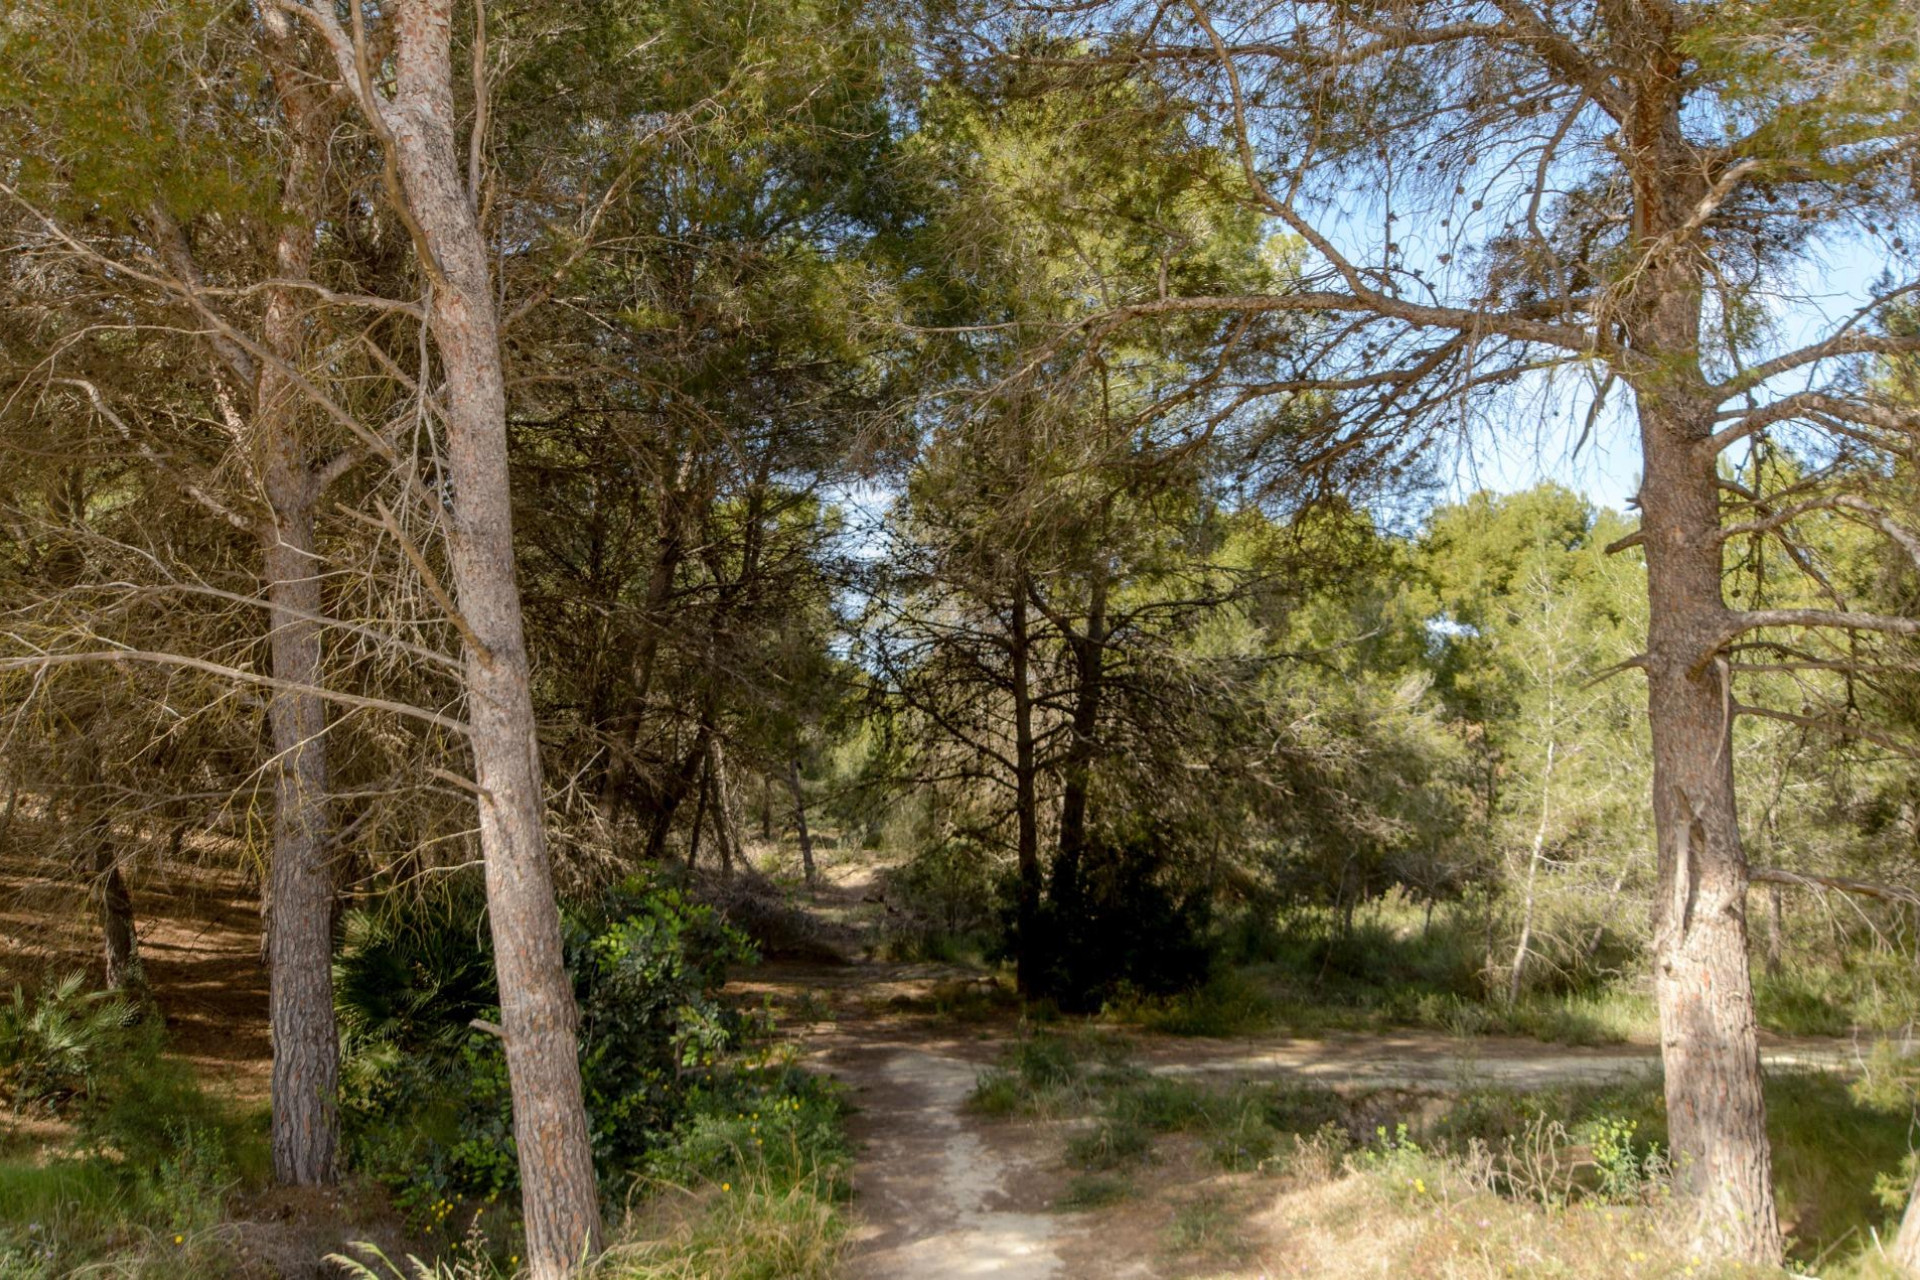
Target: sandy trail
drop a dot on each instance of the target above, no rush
(941, 1195)
(1413, 1060)
(944, 1195)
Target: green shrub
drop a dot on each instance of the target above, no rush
(1127, 927)
(774, 1121)
(1093, 1191)
(426, 1096)
(144, 1186)
(1110, 1144)
(54, 1043)
(1230, 1004)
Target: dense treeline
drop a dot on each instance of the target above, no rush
(556, 437)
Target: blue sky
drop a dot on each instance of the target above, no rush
(1537, 442)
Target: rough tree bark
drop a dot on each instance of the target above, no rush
(417, 121)
(301, 890)
(1716, 1114)
(1709, 1044)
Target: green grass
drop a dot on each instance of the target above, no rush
(763, 1227)
(1861, 991)
(1829, 1147)
(1094, 1191)
(1206, 1227)
(1046, 1073)
(752, 1187)
(1396, 967)
(1110, 1144)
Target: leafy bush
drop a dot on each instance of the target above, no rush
(1110, 1144)
(1126, 927)
(1230, 1004)
(427, 1102)
(947, 895)
(54, 1043)
(144, 1185)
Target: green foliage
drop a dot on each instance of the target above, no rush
(1128, 927)
(1093, 1191)
(143, 1187)
(1626, 1172)
(427, 1101)
(1230, 1004)
(55, 1043)
(1856, 987)
(115, 98)
(1111, 1144)
(773, 1120)
(948, 892)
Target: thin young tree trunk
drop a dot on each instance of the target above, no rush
(1776, 929)
(699, 820)
(1026, 804)
(98, 863)
(673, 793)
(1519, 968)
(560, 1203)
(766, 810)
(1089, 654)
(723, 824)
(673, 504)
(800, 820)
(119, 941)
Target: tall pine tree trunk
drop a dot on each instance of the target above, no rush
(1090, 655)
(1716, 1114)
(1026, 801)
(560, 1203)
(800, 819)
(301, 884)
(306, 1047)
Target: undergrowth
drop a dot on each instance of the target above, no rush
(140, 1185)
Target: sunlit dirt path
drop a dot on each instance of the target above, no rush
(942, 1193)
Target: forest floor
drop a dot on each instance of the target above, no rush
(944, 1192)
(199, 928)
(941, 1190)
